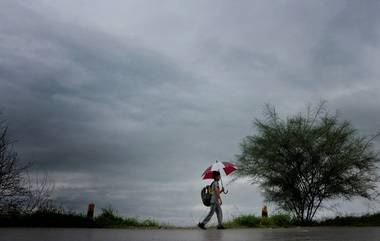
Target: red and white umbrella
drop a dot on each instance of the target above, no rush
(223, 167)
(226, 167)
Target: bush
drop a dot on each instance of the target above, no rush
(251, 221)
(149, 223)
(365, 220)
(108, 218)
(131, 222)
(280, 220)
(46, 218)
(62, 218)
(245, 221)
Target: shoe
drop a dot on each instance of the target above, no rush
(221, 227)
(201, 226)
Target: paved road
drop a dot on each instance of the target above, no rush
(290, 234)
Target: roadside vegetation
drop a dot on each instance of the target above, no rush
(252, 221)
(285, 221)
(61, 218)
(364, 220)
(109, 218)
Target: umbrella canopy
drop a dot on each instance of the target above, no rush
(226, 167)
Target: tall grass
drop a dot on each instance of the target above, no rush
(252, 221)
(365, 220)
(61, 218)
(110, 218)
(284, 220)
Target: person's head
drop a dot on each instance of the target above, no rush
(216, 175)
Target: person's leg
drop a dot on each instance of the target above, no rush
(209, 215)
(219, 215)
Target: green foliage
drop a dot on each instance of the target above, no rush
(280, 220)
(108, 217)
(149, 223)
(265, 221)
(306, 159)
(365, 220)
(131, 222)
(252, 221)
(46, 218)
(245, 221)
(62, 218)
(284, 220)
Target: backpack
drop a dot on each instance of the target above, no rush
(206, 194)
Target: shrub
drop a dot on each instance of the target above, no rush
(365, 220)
(108, 218)
(131, 222)
(246, 221)
(251, 221)
(280, 220)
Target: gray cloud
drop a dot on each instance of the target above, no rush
(127, 103)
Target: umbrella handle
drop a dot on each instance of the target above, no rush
(224, 191)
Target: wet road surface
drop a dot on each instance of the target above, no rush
(288, 234)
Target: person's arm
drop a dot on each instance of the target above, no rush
(217, 194)
(222, 190)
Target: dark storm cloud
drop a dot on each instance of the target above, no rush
(126, 103)
(110, 121)
(78, 91)
(342, 53)
(87, 105)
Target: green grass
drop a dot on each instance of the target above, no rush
(252, 221)
(61, 218)
(284, 220)
(364, 220)
(109, 218)
(44, 218)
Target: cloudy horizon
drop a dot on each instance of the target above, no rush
(125, 103)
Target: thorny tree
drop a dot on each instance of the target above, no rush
(19, 192)
(303, 160)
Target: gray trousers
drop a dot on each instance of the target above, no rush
(214, 208)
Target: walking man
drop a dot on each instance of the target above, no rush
(216, 203)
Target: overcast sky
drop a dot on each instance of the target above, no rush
(125, 103)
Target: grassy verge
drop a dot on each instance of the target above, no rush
(284, 220)
(365, 220)
(252, 221)
(60, 218)
(110, 219)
